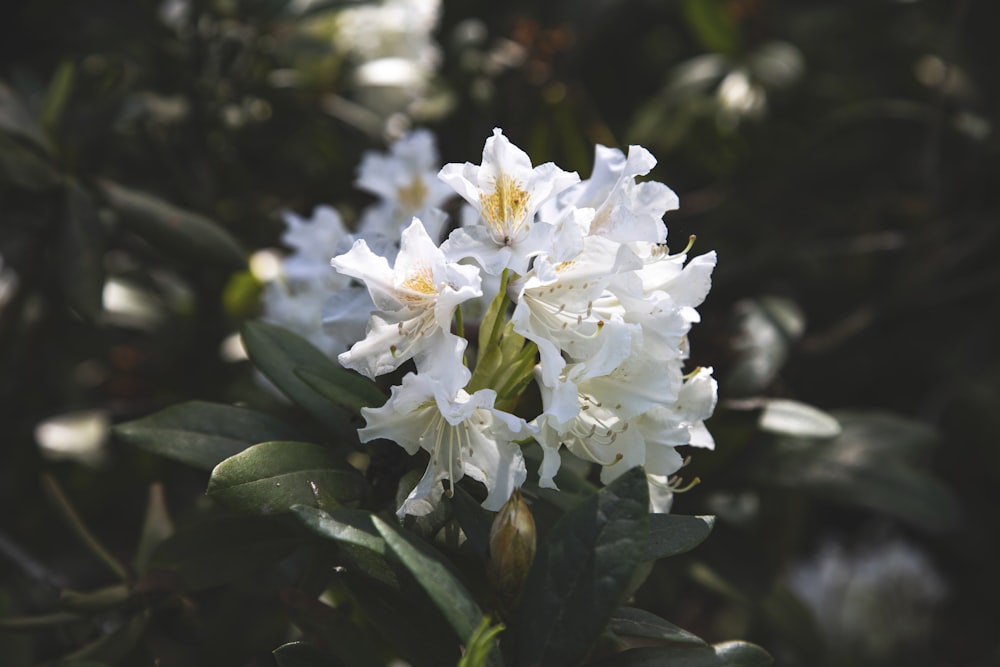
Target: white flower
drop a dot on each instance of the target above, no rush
(313, 242)
(416, 299)
(406, 183)
(555, 309)
(506, 191)
(624, 210)
(463, 433)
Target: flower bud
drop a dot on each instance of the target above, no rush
(512, 548)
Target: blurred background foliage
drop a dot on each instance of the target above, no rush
(842, 157)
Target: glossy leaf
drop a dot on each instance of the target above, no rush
(203, 434)
(278, 353)
(581, 574)
(672, 534)
(634, 622)
(271, 477)
(438, 581)
(343, 387)
(185, 234)
(726, 654)
(218, 551)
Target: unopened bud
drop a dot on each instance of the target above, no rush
(512, 548)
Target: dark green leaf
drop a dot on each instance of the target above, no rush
(302, 654)
(218, 551)
(80, 254)
(277, 353)
(726, 654)
(633, 622)
(334, 629)
(25, 167)
(203, 434)
(873, 463)
(713, 24)
(436, 578)
(475, 521)
(113, 646)
(581, 574)
(271, 477)
(343, 387)
(186, 235)
(672, 534)
(16, 120)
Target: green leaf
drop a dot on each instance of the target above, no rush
(343, 387)
(271, 477)
(156, 527)
(672, 534)
(581, 574)
(80, 254)
(726, 654)
(203, 434)
(59, 91)
(481, 644)
(93, 602)
(359, 541)
(186, 235)
(797, 419)
(278, 353)
(712, 24)
(333, 628)
(218, 551)
(475, 521)
(16, 120)
(874, 463)
(113, 646)
(436, 578)
(633, 622)
(302, 654)
(25, 167)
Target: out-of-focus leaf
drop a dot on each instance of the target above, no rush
(343, 387)
(672, 534)
(16, 120)
(185, 234)
(92, 602)
(24, 167)
(80, 254)
(581, 573)
(873, 463)
(203, 434)
(219, 551)
(302, 654)
(40, 621)
(436, 578)
(59, 91)
(633, 622)
(156, 527)
(113, 646)
(277, 353)
(766, 327)
(713, 24)
(271, 477)
(797, 419)
(726, 654)
(320, 6)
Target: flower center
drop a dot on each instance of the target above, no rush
(504, 209)
(421, 281)
(412, 196)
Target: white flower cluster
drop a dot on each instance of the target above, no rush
(587, 302)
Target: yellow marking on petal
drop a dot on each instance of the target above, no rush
(562, 266)
(504, 209)
(422, 281)
(412, 196)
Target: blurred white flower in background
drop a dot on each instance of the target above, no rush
(873, 602)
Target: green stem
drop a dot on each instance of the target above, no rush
(80, 528)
